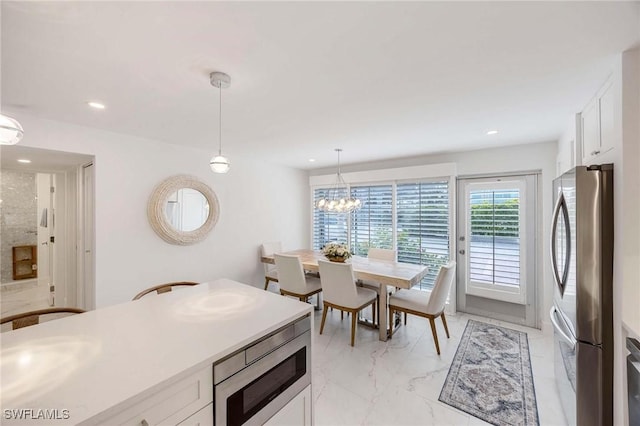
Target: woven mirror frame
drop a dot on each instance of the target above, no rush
(156, 209)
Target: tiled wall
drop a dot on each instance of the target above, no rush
(18, 216)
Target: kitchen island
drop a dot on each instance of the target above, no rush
(143, 362)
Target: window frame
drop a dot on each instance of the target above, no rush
(394, 177)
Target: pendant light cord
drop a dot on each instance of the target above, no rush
(220, 124)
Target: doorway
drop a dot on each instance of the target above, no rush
(47, 216)
(496, 247)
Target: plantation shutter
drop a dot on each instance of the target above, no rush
(327, 227)
(372, 224)
(423, 226)
(494, 249)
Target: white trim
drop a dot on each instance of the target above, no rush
(386, 175)
(451, 306)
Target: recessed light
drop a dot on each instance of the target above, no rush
(24, 160)
(96, 105)
(492, 132)
(311, 160)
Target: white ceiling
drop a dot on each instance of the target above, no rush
(42, 160)
(380, 80)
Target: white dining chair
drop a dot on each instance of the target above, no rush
(292, 279)
(339, 291)
(378, 254)
(428, 305)
(270, 270)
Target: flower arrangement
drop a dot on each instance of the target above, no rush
(336, 252)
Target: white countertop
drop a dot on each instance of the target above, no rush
(99, 362)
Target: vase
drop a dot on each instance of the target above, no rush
(336, 259)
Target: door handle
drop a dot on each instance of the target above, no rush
(556, 324)
(560, 208)
(461, 251)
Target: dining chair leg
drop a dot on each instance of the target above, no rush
(405, 318)
(391, 312)
(354, 318)
(266, 283)
(341, 315)
(435, 334)
(444, 322)
(324, 317)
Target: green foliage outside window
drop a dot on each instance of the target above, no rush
(500, 220)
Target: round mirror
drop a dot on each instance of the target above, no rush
(187, 209)
(183, 210)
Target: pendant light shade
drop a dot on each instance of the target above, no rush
(337, 199)
(220, 163)
(10, 131)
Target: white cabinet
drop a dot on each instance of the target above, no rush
(297, 412)
(171, 405)
(569, 152)
(204, 417)
(598, 124)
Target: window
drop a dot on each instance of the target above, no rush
(494, 246)
(327, 227)
(418, 229)
(372, 225)
(423, 226)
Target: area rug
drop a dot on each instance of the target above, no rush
(490, 376)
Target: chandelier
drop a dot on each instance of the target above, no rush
(337, 199)
(10, 131)
(220, 163)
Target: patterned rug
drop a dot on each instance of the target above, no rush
(490, 376)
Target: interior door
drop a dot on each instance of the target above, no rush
(44, 186)
(88, 211)
(496, 246)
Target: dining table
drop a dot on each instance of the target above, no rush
(383, 272)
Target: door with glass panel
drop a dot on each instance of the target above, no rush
(496, 248)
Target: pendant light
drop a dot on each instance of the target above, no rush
(220, 163)
(337, 199)
(10, 131)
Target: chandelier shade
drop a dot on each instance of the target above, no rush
(10, 131)
(337, 199)
(220, 163)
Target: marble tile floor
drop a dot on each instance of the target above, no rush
(398, 382)
(24, 296)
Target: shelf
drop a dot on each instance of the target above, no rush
(25, 262)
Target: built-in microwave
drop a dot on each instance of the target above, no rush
(253, 384)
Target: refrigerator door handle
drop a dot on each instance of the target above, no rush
(561, 330)
(560, 207)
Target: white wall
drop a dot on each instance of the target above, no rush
(625, 156)
(519, 158)
(630, 187)
(626, 314)
(130, 256)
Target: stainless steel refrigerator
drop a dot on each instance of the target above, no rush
(582, 312)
